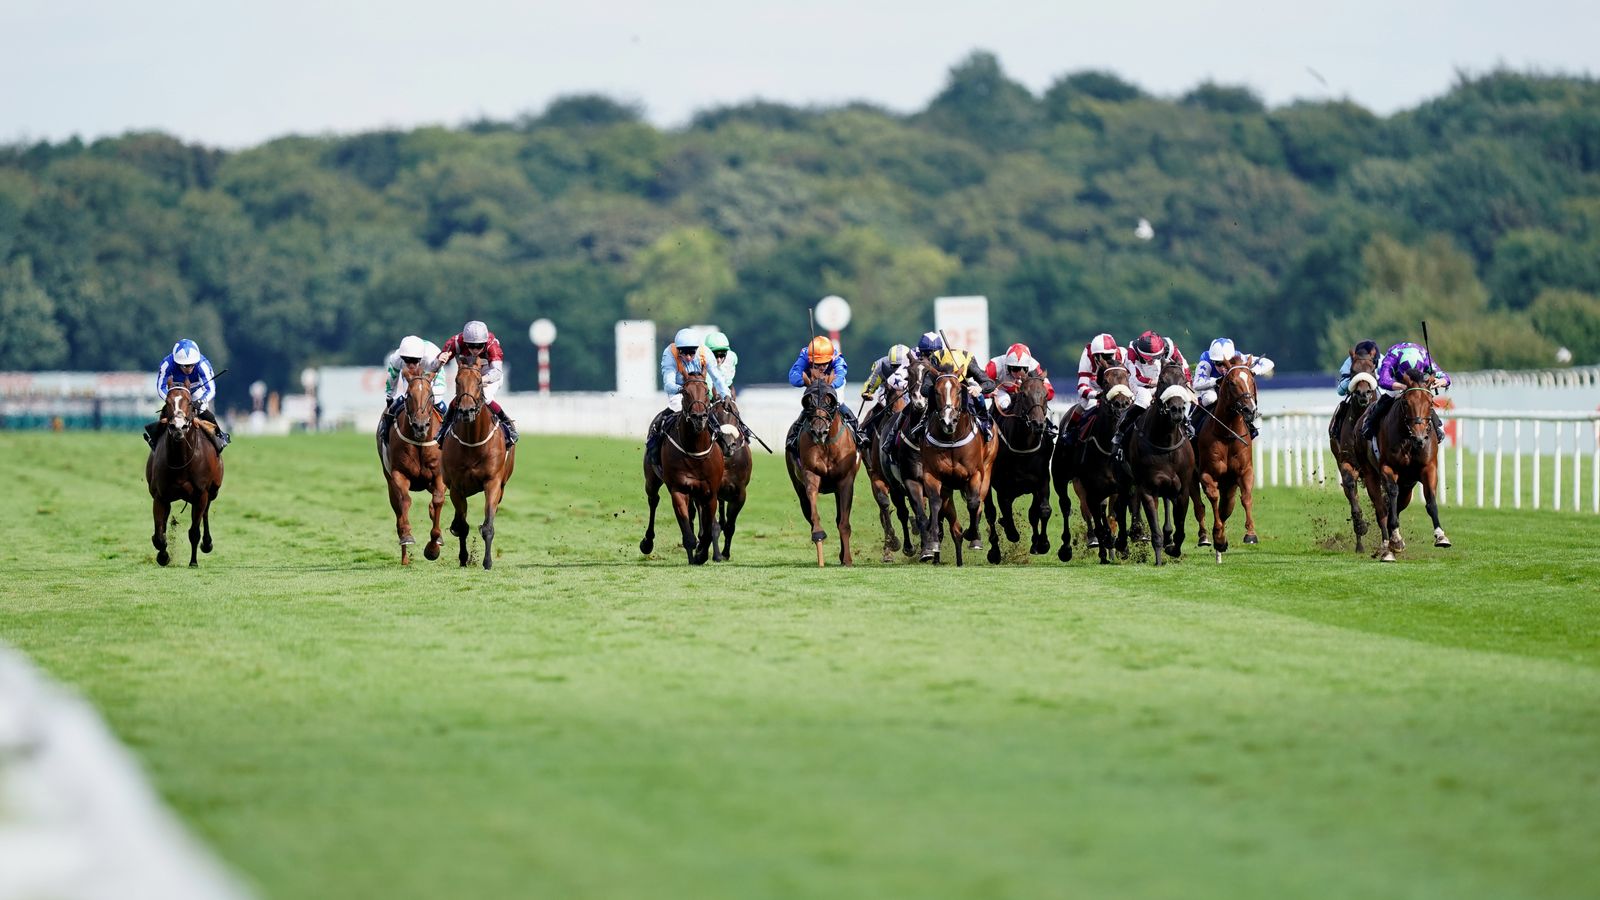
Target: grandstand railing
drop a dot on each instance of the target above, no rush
(1490, 458)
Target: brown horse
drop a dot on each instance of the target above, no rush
(1344, 434)
(1083, 462)
(887, 489)
(1407, 453)
(692, 468)
(475, 458)
(955, 454)
(411, 461)
(183, 465)
(1022, 464)
(736, 470)
(824, 461)
(1161, 464)
(1225, 457)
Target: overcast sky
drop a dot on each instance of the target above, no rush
(236, 73)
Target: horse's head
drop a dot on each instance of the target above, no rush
(1363, 375)
(1416, 402)
(469, 387)
(918, 379)
(419, 400)
(1110, 379)
(696, 401)
(1032, 400)
(1171, 374)
(821, 406)
(178, 411)
(1174, 404)
(946, 402)
(1237, 391)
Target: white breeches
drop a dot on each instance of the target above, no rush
(490, 390)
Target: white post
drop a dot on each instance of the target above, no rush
(1555, 493)
(1594, 466)
(1461, 449)
(1577, 470)
(1499, 458)
(1255, 457)
(1277, 447)
(1537, 452)
(1292, 476)
(1443, 474)
(1516, 464)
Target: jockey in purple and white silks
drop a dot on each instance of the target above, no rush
(1397, 362)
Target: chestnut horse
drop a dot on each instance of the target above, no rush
(1022, 465)
(887, 489)
(955, 455)
(1344, 434)
(411, 461)
(824, 461)
(183, 465)
(736, 471)
(692, 468)
(1407, 452)
(475, 458)
(1225, 457)
(1083, 462)
(1161, 464)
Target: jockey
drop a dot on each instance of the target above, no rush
(888, 373)
(726, 362)
(1009, 368)
(1101, 353)
(686, 355)
(1397, 363)
(1213, 365)
(1147, 355)
(1365, 348)
(978, 385)
(476, 339)
(187, 367)
(411, 351)
(821, 359)
(927, 345)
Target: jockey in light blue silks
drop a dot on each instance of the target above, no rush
(686, 355)
(1212, 366)
(187, 367)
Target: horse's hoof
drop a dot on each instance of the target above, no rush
(891, 544)
(404, 559)
(1093, 544)
(407, 541)
(1175, 551)
(163, 557)
(994, 555)
(431, 551)
(1397, 543)
(1219, 557)
(488, 560)
(193, 564)
(205, 546)
(975, 545)
(1065, 553)
(646, 545)
(887, 558)
(818, 537)
(1205, 541)
(1251, 539)
(1388, 556)
(1222, 547)
(1439, 538)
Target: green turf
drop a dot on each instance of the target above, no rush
(582, 722)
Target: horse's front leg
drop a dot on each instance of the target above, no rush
(435, 507)
(1347, 480)
(1247, 500)
(400, 502)
(680, 509)
(161, 509)
(932, 528)
(813, 489)
(1219, 530)
(652, 494)
(1150, 505)
(1430, 483)
(492, 492)
(994, 543)
(1180, 512)
(918, 496)
(710, 532)
(844, 501)
(196, 512)
(205, 528)
(458, 524)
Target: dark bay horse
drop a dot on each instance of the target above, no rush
(1344, 433)
(955, 455)
(1083, 462)
(475, 458)
(183, 466)
(692, 469)
(1225, 457)
(824, 461)
(411, 461)
(736, 470)
(1161, 464)
(1022, 464)
(886, 488)
(1407, 453)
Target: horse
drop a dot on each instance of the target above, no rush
(1225, 457)
(736, 470)
(1022, 464)
(183, 465)
(1087, 465)
(692, 468)
(1344, 434)
(955, 454)
(900, 456)
(410, 461)
(1161, 464)
(824, 460)
(1407, 452)
(475, 458)
(887, 489)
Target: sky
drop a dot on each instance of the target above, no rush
(238, 73)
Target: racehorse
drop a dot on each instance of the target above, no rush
(1407, 452)
(899, 451)
(411, 461)
(1161, 464)
(824, 460)
(692, 469)
(887, 489)
(955, 454)
(1225, 458)
(1087, 465)
(183, 465)
(475, 458)
(1022, 464)
(736, 471)
(1344, 434)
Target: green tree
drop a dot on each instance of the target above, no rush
(30, 338)
(1569, 319)
(677, 279)
(984, 106)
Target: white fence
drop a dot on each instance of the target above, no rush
(1547, 454)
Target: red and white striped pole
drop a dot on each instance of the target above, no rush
(543, 333)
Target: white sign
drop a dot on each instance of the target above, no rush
(833, 313)
(638, 358)
(542, 332)
(965, 324)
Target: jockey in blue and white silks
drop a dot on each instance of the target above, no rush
(1213, 365)
(187, 367)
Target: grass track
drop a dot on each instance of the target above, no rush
(582, 722)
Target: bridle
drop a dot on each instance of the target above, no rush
(1418, 429)
(1243, 391)
(1025, 404)
(822, 409)
(418, 421)
(180, 422)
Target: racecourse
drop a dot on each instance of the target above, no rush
(585, 722)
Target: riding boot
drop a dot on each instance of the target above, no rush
(150, 432)
(849, 417)
(1254, 431)
(219, 437)
(1333, 427)
(509, 426)
(1369, 428)
(1438, 425)
(794, 435)
(1188, 428)
(449, 419)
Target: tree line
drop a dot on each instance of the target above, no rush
(1296, 230)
